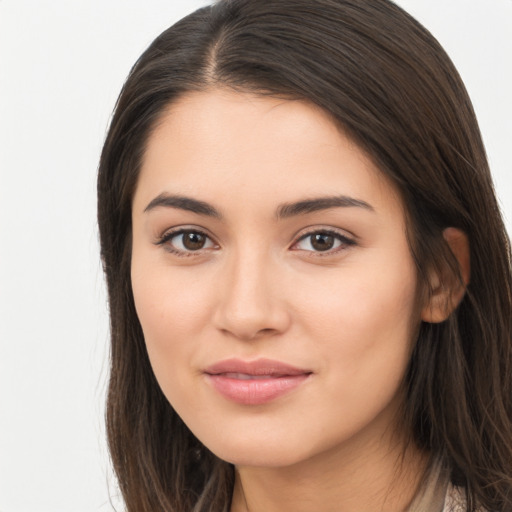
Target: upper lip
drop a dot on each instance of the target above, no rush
(269, 367)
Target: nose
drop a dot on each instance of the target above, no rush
(251, 299)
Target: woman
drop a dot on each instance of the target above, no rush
(309, 278)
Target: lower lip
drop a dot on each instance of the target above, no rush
(255, 391)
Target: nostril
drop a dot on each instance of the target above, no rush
(249, 335)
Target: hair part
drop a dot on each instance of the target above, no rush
(393, 90)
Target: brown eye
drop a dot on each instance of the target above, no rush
(193, 241)
(186, 241)
(322, 241)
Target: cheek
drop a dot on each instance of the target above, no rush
(366, 316)
(173, 308)
(363, 324)
(168, 300)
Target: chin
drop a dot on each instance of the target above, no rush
(256, 457)
(260, 451)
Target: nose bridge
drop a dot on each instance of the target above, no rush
(251, 302)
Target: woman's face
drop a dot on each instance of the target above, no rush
(272, 279)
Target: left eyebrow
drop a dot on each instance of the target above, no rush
(321, 203)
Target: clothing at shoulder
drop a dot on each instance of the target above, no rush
(455, 500)
(438, 494)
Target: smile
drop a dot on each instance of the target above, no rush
(254, 383)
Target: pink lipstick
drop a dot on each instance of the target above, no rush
(254, 382)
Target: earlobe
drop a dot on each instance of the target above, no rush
(448, 288)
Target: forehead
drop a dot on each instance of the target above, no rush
(222, 144)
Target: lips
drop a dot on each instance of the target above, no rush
(254, 382)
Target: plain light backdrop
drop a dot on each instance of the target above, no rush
(62, 64)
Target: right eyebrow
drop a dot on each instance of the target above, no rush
(183, 203)
(321, 203)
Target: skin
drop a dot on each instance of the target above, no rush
(258, 288)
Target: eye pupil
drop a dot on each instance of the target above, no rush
(322, 241)
(193, 241)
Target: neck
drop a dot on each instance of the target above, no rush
(385, 479)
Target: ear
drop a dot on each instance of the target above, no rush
(447, 289)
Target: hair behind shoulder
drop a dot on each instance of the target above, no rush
(391, 87)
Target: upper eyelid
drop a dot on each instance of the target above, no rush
(346, 242)
(164, 241)
(311, 230)
(174, 231)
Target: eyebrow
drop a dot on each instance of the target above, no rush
(321, 203)
(283, 211)
(183, 203)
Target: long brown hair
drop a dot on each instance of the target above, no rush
(395, 92)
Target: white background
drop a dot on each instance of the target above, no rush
(62, 64)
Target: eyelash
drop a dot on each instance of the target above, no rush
(344, 241)
(166, 238)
